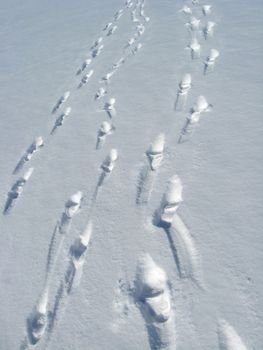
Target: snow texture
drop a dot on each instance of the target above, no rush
(101, 81)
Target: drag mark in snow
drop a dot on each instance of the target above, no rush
(228, 337)
(121, 304)
(57, 310)
(189, 257)
(173, 250)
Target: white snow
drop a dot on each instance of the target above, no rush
(44, 47)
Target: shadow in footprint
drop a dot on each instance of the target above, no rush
(167, 229)
(173, 250)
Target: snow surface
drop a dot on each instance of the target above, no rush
(43, 45)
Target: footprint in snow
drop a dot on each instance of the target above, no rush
(62, 100)
(33, 148)
(209, 30)
(16, 191)
(105, 129)
(201, 106)
(153, 298)
(148, 173)
(85, 64)
(209, 63)
(182, 93)
(60, 120)
(86, 78)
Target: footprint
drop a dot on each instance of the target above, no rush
(133, 17)
(33, 148)
(72, 207)
(189, 127)
(97, 51)
(17, 190)
(171, 201)
(37, 322)
(182, 93)
(209, 30)
(105, 130)
(148, 173)
(206, 9)
(62, 227)
(77, 258)
(109, 163)
(137, 48)
(186, 10)
(96, 43)
(128, 3)
(210, 61)
(201, 106)
(140, 29)
(118, 15)
(109, 107)
(108, 25)
(107, 77)
(100, 93)
(86, 78)
(130, 42)
(60, 120)
(155, 152)
(195, 48)
(85, 64)
(62, 100)
(119, 63)
(193, 24)
(112, 30)
(152, 295)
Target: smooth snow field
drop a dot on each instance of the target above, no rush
(131, 175)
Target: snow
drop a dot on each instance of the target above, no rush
(43, 45)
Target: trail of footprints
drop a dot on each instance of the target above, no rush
(151, 291)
